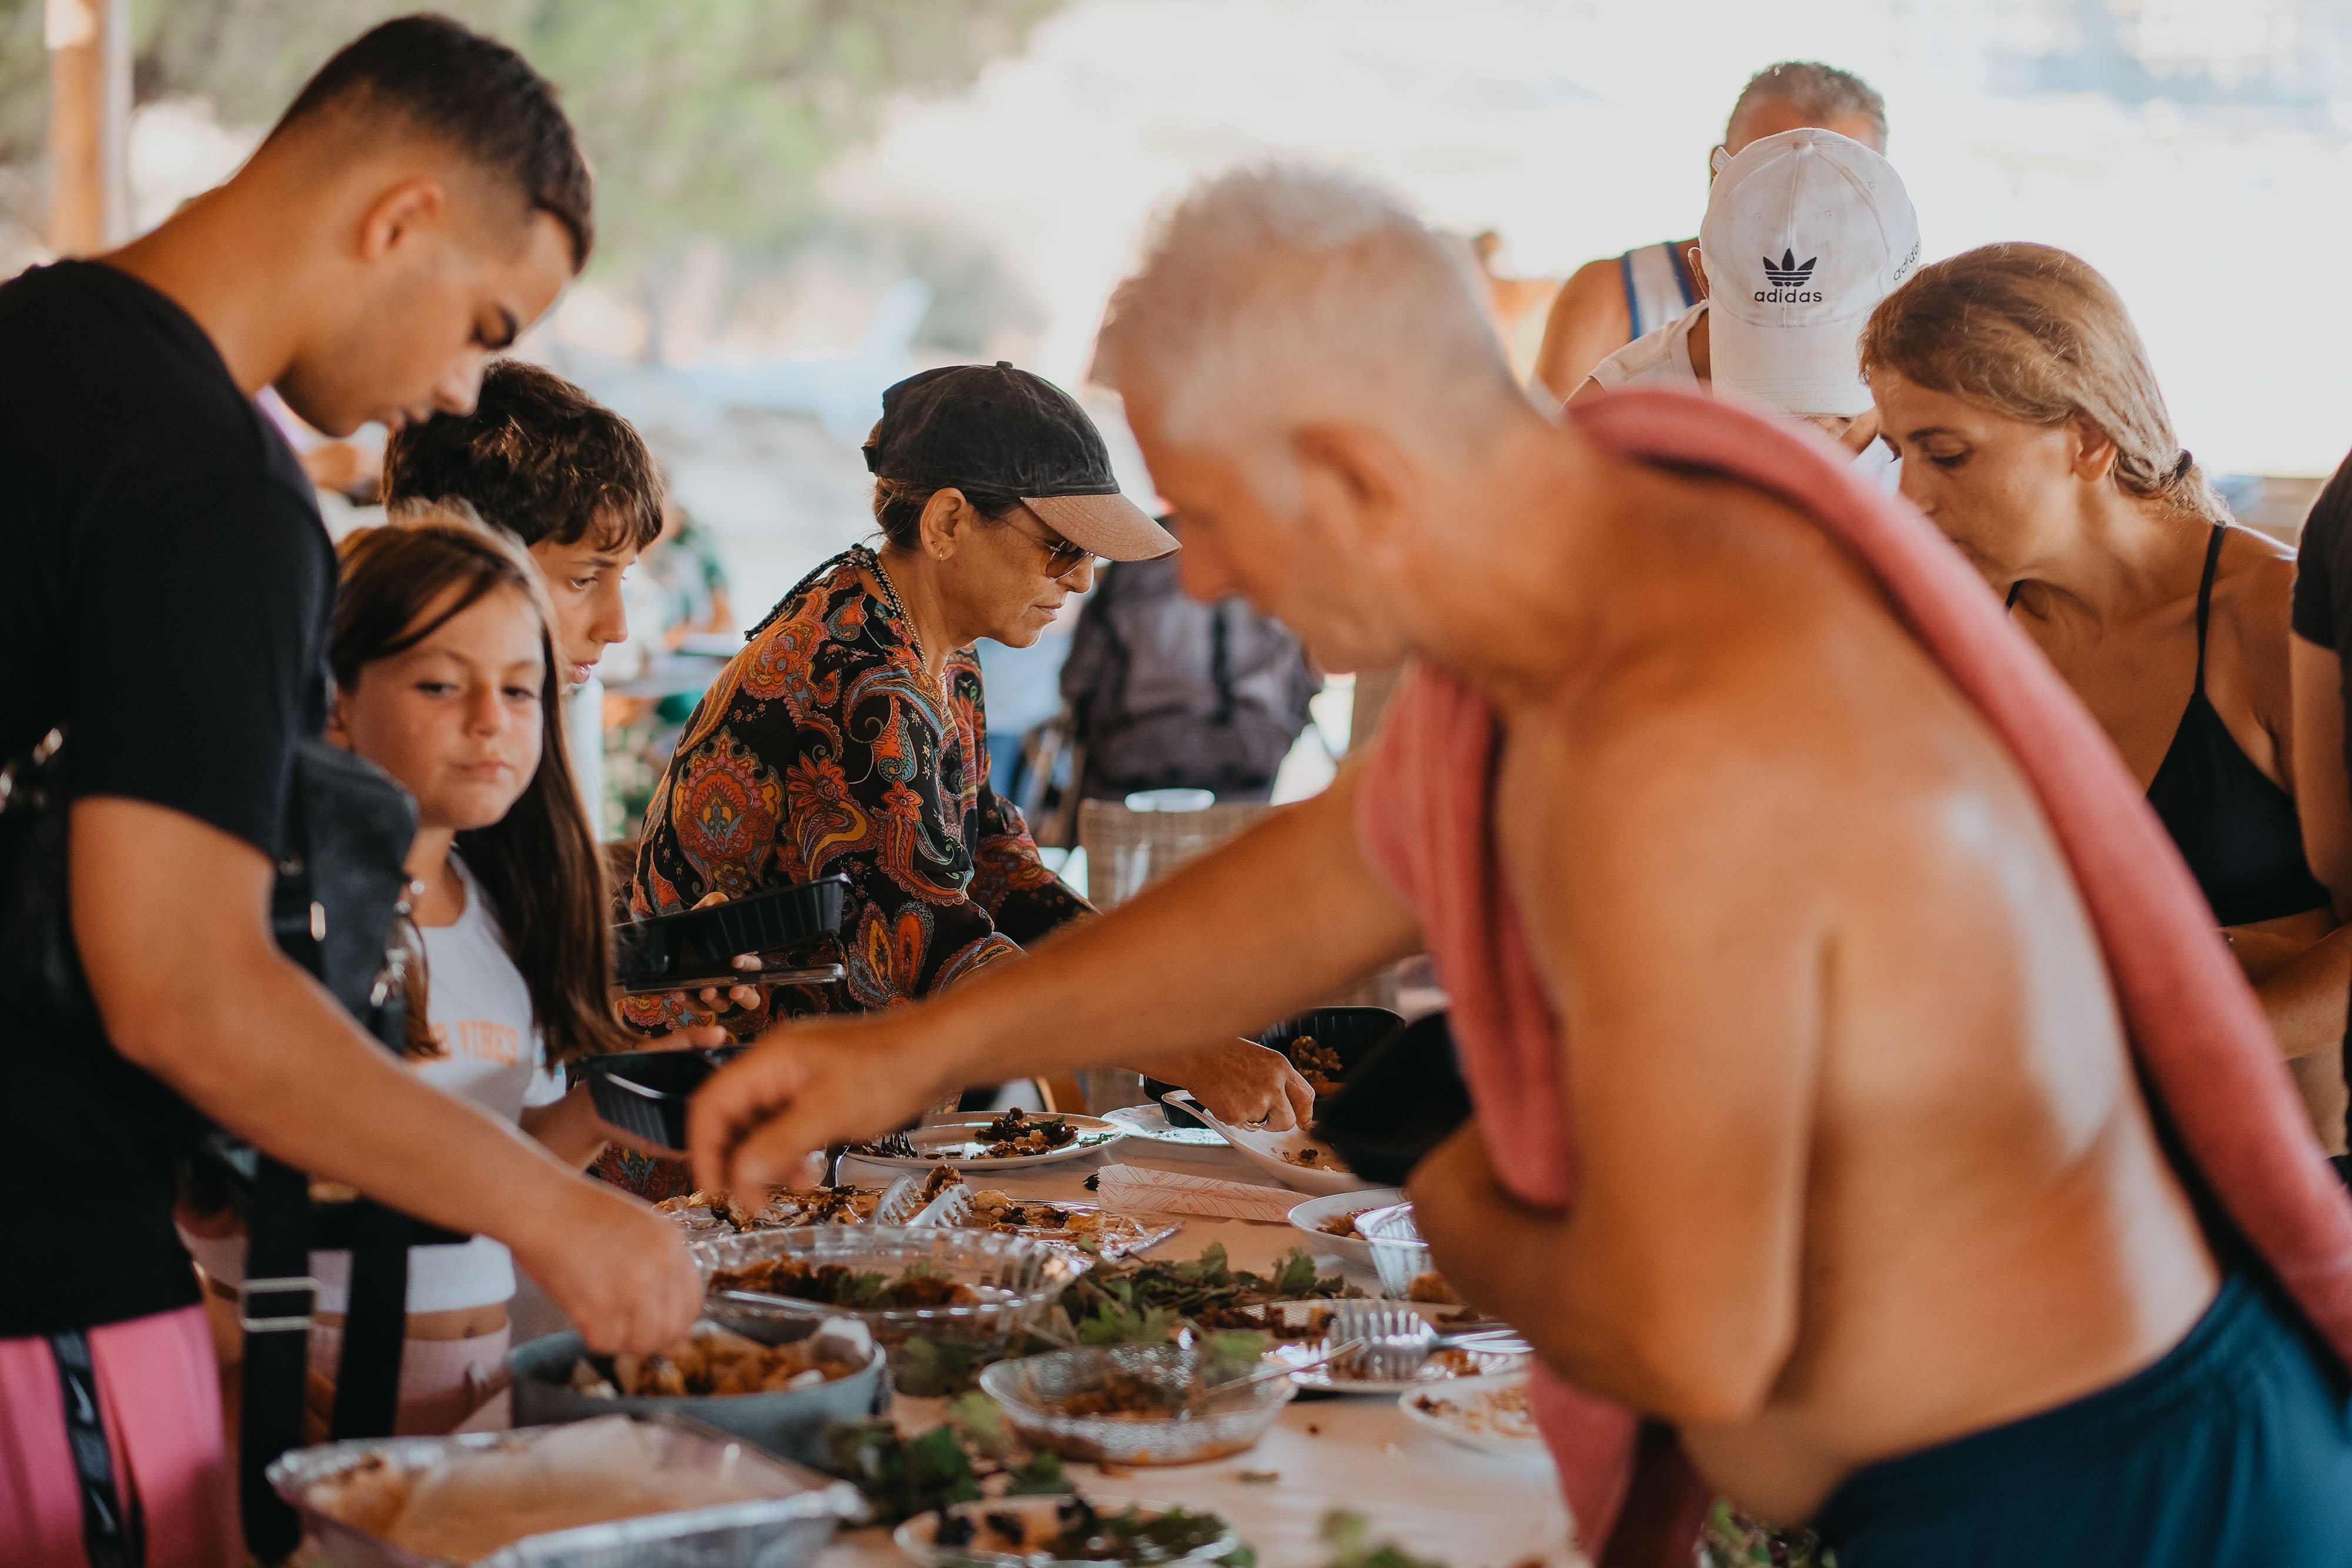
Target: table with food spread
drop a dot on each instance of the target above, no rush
(1150, 1326)
(1438, 1498)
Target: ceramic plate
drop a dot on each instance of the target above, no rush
(1488, 1413)
(956, 1141)
(1152, 1122)
(1309, 1218)
(1265, 1150)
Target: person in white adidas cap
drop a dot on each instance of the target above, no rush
(1606, 304)
(1805, 232)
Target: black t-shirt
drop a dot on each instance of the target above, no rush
(2323, 579)
(164, 600)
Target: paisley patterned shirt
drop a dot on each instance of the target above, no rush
(825, 746)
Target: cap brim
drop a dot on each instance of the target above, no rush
(1813, 369)
(1111, 526)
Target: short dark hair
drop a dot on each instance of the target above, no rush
(449, 82)
(538, 457)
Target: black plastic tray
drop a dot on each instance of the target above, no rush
(644, 1092)
(1351, 1031)
(704, 939)
(1401, 1101)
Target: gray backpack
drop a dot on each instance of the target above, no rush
(1165, 693)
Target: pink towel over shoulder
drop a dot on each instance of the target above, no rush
(1425, 817)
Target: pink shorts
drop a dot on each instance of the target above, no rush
(159, 1396)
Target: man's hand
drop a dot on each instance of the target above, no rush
(621, 1271)
(1243, 1083)
(759, 1119)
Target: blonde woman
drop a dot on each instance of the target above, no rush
(2013, 385)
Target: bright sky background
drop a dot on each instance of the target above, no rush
(1580, 129)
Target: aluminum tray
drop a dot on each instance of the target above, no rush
(785, 1529)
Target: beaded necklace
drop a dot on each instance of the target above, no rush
(868, 559)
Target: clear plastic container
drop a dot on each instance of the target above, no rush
(1029, 1390)
(1015, 1278)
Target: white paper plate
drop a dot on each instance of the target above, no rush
(1461, 1425)
(1152, 1122)
(1265, 1150)
(951, 1136)
(1308, 1216)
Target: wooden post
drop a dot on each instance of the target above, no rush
(90, 123)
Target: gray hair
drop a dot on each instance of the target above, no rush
(1817, 92)
(1277, 295)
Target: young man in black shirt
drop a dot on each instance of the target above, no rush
(2321, 646)
(165, 603)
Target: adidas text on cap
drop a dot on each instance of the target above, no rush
(1805, 232)
(993, 427)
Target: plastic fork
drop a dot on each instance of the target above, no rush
(901, 1201)
(1397, 1340)
(951, 1207)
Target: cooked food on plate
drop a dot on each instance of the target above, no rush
(1077, 1532)
(786, 1208)
(1319, 1064)
(1311, 1157)
(837, 1285)
(715, 1361)
(1494, 1412)
(1344, 1224)
(1012, 1135)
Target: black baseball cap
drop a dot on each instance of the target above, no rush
(993, 427)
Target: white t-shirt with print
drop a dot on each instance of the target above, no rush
(479, 1009)
(1661, 359)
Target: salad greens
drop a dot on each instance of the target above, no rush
(1146, 1303)
(1730, 1539)
(903, 1477)
(1349, 1538)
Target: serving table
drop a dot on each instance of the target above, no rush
(1438, 1499)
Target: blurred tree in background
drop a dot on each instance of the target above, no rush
(704, 117)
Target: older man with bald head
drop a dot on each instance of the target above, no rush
(1806, 1123)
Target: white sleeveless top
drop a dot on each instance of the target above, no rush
(480, 1012)
(1662, 359)
(1657, 284)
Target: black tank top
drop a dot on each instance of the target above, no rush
(2237, 830)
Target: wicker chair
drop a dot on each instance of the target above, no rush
(1126, 850)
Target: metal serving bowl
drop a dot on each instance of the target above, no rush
(1016, 1278)
(1222, 1425)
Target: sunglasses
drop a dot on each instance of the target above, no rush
(1062, 557)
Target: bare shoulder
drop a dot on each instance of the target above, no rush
(2247, 656)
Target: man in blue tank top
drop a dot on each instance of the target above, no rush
(1607, 304)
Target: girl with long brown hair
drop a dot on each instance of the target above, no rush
(2011, 383)
(442, 662)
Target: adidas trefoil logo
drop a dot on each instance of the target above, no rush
(1788, 277)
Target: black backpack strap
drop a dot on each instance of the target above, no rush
(367, 1380)
(275, 1307)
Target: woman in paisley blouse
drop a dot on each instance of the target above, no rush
(849, 735)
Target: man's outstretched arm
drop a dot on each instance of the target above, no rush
(1683, 957)
(1284, 914)
(172, 918)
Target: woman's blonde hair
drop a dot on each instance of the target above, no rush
(2031, 333)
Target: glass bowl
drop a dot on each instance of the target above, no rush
(931, 1349)
(1401, 1257)
(1222, 1425)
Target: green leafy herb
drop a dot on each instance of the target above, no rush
(902, 1477)
(1349, 1538)
(1042, 1476)
(930, 1369)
